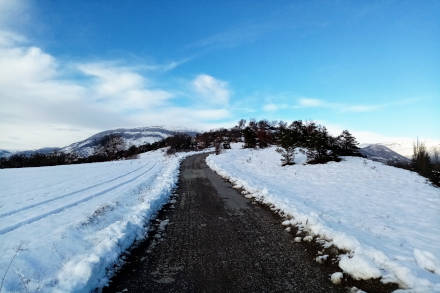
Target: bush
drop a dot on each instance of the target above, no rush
(287, 155)
(421, 161)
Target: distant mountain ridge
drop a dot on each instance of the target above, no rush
(45, 151)
(381, 153)
(5, 153)
(131, 136)
(142, 135)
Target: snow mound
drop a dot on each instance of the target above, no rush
(386, 218)
(427, 261)
(359, 267)
(336, 278)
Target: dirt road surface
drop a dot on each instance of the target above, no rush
(218, 241)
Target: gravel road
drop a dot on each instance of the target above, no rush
(218, 241)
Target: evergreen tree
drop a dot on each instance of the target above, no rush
(319, 150)
(287, 155)
(250, 138)
(347, 144)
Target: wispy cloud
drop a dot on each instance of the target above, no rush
(272, 107)
(304, 103)
(307, 102)
(344, 107)
(167, 66)
(212, 90)
(234, 37)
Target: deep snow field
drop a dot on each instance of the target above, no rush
(388, 218)
(62, 227)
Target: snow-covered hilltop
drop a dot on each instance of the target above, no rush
(381, 153)
(404, 146)
(131, 136)
(388, 218)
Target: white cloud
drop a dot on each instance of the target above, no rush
(42, 99)
(307, 102)
(121, 87)
(317, 103)
(271, 107)
(360, 108)
(167, 66)
(9, 9)
(231, 38)
(344, 107)
(9, 38)
(214, 91)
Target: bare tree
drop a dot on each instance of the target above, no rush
(218, 147)
(242, 124)
(420, 160)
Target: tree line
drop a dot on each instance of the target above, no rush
(321, 147)
(312, 138)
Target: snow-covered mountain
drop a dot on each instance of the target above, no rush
(381, 153)
(5, 153)
(404, 146)
(132, 136)
(44, 151)
(48, 150)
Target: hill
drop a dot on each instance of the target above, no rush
(131, 136)
(381, 153)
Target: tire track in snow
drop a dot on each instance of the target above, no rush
(9, 213)
(60, 209)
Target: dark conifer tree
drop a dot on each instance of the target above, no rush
(346, 144)
(250, 138)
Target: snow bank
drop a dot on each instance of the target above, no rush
(64, 227)
(388, 218)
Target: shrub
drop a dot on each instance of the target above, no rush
(421, 161)
(287, 155)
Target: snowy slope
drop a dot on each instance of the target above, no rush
(381, 153)
(387, 217)
(70, 223)
(132, 136)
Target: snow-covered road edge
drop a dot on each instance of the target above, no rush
(360, 262)
(87, 272)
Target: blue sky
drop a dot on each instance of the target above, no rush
(72, 68)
